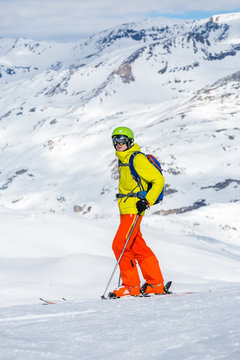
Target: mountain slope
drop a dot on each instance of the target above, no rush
(175, 84)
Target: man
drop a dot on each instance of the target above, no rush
(130, 206)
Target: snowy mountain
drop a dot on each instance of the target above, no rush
(176, 85)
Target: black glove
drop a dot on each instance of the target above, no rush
(142, 205)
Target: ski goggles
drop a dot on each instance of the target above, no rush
(120, 139)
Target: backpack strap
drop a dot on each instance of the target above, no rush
(122, 164)
(133, 171)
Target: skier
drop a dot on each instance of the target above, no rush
(130, 206)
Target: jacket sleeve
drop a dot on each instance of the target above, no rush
(149, 173)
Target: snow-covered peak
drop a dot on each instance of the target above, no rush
(158, 29)
(229, 18)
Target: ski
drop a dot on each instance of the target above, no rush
(51, 302)
(113, 296)
(167, 293)
(171, 294)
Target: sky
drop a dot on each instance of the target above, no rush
(72, 20)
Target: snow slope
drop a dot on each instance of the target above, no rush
(55, 256)
(177, 87)
(175, 84)
(64, 256)
(199, 326)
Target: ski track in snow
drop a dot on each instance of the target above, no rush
(197, 326)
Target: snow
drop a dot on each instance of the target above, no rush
(54, 256)
(197, 326)
(58, 109)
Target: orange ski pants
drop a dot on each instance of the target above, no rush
(136, 250)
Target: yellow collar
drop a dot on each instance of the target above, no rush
(124, 156)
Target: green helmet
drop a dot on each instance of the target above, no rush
(124, 135)
(121, 130)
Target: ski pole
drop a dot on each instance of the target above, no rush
(119, 280)
(119, 259)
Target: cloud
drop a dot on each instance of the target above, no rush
(77, 19)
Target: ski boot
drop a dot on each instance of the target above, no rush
(159, 289)
(123, 291)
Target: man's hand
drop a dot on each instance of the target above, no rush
(142, 205)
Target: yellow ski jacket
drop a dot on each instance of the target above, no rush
(147, 172)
